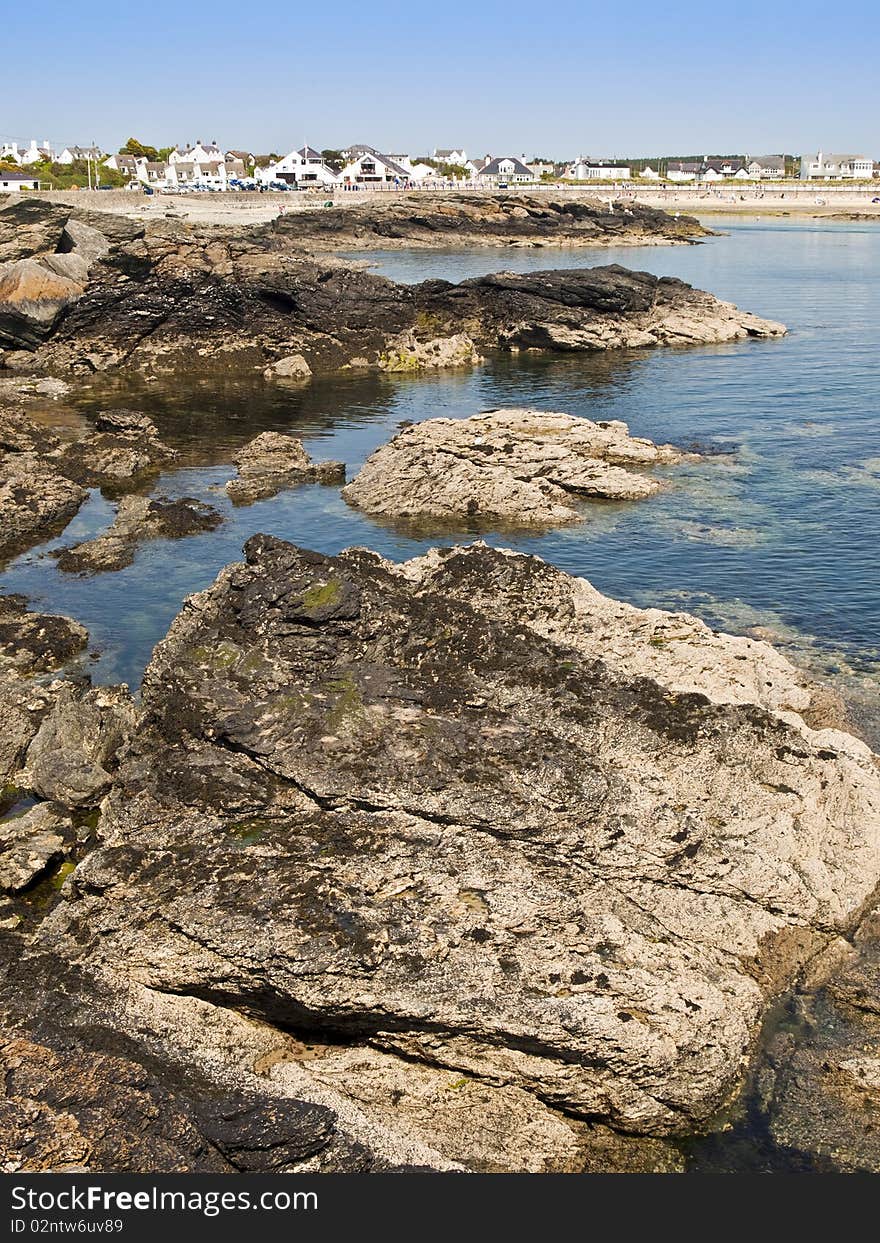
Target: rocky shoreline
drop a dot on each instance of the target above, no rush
(79, 295)
(418, 865)
(450, 864)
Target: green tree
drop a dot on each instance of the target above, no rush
(333, 159)
(134, 147)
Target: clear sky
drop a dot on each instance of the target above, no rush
(557, 79)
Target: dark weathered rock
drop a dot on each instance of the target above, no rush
(273, 462)
(169, 290)
(36, 642)
(138, 520)
(420, 220)
(412, 811)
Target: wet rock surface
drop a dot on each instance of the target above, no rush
(138, 520)
(272, 462)
(36, 501)
(365, 809)
(527, 467)
(168, 291)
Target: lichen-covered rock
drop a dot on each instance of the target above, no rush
(363, 803)
(274, 461)
(29, 844)
(73, 753)
(138, 520)
(520, 466)
(408, 353)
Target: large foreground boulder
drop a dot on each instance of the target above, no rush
(452, 817)
(521, 466)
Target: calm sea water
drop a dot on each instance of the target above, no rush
(781, 533)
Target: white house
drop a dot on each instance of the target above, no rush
(683, 170)
(723, 169)
(598, 170)
(71, 154)
(771, 167)
(649, 174)
(540, 168)
(37, 154)
(11, 153)
(304, 167)
(414, 168)
(131, 166)
(477, 164)
(504, 169)
(450, 155)
(372, 168)
(11, 183)
(825, 166)
(200, 153)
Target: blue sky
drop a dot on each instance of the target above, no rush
(557, 79)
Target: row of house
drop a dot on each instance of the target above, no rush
(207, 164)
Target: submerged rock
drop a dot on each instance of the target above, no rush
(138, 519)
(429, 811)
(522, 466)
(272, 462)
(823, 1077)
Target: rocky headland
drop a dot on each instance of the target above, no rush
(522, 467)
(455, 864)
(150, 295)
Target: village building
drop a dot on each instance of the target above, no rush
(305, 167)
(597, 170)
(36, 154)
(504, 169)
(371, 167)
(12, 183)
(770, 167)
(450, 155)
(128, 165)
(649, 174)
(11, 153)
(683, 170)
(70, 155)
(827, 166)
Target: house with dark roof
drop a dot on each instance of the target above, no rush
(598, 170)
(12, 183)
(504, 169)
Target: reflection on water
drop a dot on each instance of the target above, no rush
(783, 531)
